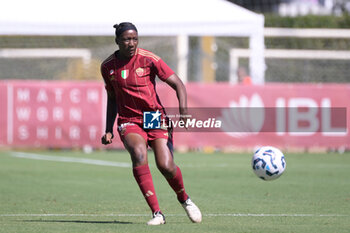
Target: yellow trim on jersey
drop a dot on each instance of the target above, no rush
(148, 54)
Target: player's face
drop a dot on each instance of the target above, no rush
(127, 42)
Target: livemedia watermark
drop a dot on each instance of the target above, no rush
(303, 120)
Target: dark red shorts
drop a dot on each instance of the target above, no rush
(148, 134)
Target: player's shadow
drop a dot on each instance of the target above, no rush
(78, 221)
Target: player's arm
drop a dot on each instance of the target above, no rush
(166, 74)
(175, 82)
(111, 112)
(111, 115)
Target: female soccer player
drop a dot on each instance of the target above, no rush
(129, 75)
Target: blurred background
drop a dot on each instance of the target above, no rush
(276, 50)
(297, 14)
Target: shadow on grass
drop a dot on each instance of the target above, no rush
(77, 221)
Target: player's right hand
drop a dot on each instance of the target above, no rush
(107, 138)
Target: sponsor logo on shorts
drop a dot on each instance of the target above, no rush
(122, 127)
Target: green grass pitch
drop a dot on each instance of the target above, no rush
(43, 194)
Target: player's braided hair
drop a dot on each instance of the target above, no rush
(122, 27)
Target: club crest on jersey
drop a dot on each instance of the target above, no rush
(125, 74)
(140, 71)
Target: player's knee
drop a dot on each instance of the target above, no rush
(139, 155)
(167, 169)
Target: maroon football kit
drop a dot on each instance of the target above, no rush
(130, 81)
(133, 82)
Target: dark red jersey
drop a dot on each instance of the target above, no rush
(133, 82)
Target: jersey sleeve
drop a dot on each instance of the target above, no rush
(108, 85)
(163, 71)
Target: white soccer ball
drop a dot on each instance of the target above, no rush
(268, 163)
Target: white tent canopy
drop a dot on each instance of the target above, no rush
(152, 18)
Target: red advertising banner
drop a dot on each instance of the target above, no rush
(3, 113)
(62, 114)
(290, 115)
(54, 114)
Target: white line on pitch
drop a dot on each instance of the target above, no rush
(69, 159)
(35, 156)
(144, 215)
(276, 215)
